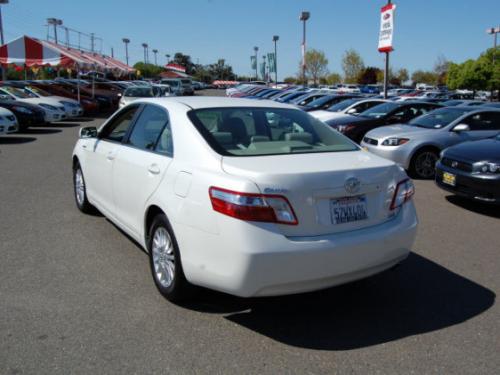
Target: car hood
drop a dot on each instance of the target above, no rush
(398, 130)
(17, 103)
(486, 149)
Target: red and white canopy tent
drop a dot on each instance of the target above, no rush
(31, 52)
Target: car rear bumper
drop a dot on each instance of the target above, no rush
(254, 259)
(479, 187)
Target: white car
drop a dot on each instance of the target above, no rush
(8, 122)
(141, 92)
(54, 111)
(346, 108)
(71, 106)
(252, 198)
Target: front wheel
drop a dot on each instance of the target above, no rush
(165, 261)
(423, 164)
(81, 192)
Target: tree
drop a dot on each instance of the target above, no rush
(368, 76)
(316, 65)
(422, 76)
(290, 80)
(148, 70)
(403, 75)
(441, 67)
(333, 78)
(185, 61)
(352, 65)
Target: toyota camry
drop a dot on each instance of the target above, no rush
(252, 198)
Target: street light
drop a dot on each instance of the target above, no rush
(304, 16)
(155, 51)
(126, 41)
(264, 68)
(2, 2)
(54, 22)
(493, 31)
(256, 49)
(275, 40)
(168, 58)
(145, 46)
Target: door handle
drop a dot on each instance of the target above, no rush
(111, 156)
(154, 169)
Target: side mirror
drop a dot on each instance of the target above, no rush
(351, 111)
(461, 128)
(88, 132)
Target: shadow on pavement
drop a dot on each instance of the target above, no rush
(15, 140)
(417, 297)
(475, 206)
(39, 131)
(79, 119)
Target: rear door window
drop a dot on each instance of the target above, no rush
(483, 121)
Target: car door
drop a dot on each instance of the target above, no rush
(100, 155)
(482, 125)
(141, 164)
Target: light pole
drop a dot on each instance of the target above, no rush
(145, 46)
(155, 51)
(492, 31)
(126, 41)
(2, 2)
(304, 16)
(168, 58)
(256, 49)
(264, 68)
(275, 40)
(54, 22)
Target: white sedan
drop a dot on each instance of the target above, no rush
(8, 122)
(252, 198)
(346, 108)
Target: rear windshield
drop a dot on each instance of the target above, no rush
(250, 131)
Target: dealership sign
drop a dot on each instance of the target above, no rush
(386, 28)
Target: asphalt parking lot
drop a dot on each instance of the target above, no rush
(76, 294)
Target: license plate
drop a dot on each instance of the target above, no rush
(449, 179)
(348, 209)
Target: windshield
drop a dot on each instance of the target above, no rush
(17, 92)
(139, 92)
(438, 118)
(379, 110)
(38, 91)
(266, 131)
(338, 107)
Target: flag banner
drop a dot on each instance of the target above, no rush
(263, 70)
(271, 60)
(253, 62)
(386, 28)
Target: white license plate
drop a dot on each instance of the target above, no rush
(348, 209)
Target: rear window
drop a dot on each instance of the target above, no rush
(250, 131)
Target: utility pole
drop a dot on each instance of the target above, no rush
(168, 58)
(2, 2)
(264, 66)
(304, 16)
(66, 32)
(492, 31)
(275, 40)
(92, 42)
(112, 53)
(155, 51)
(256, 49)
(126, 41)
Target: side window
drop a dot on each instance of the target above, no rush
(483, 121)
(165, 144)
(116, 129)
(148, 127)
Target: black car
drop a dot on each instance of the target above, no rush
(472, 170)
(355, 127)
(27, 114)
(326, 102)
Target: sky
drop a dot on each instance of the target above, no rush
(211, 29)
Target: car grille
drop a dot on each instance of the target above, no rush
(460, 165)
(370, 141)
(11, 118)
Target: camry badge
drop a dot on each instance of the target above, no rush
(352, 185)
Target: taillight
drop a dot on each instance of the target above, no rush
(253, 207)
(403, 193)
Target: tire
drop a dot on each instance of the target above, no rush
(80, 191)
(165, 261)
(423, 164)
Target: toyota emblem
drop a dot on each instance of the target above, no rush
(352, 185)
(454, 164)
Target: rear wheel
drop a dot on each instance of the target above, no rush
(423, 164)
(165, 261)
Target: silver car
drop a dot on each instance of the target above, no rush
(416, 145)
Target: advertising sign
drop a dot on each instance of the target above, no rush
(386, 28)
